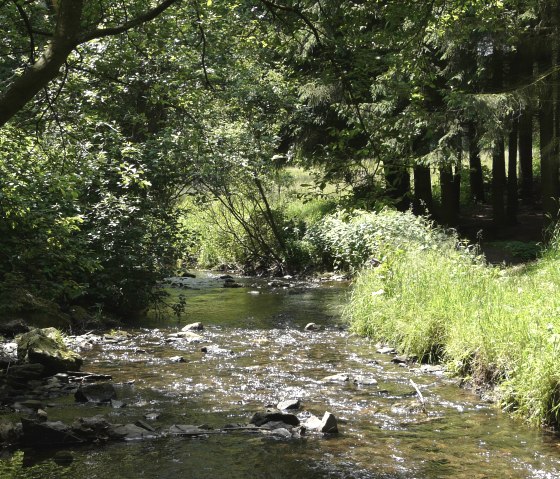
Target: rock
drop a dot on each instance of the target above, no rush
(386, 350)
(10, 433)
(188, 336)
(282, 433)
(115, 404)
(203, 349)
(289, 404)
(95, 428)
(151, 416)
(232, 285)
(326, 425)
(97, 393)
(144, 425)
(46, 347)
(329, 423)
(260, 419)
(365, 380)
(25, 372)
(193, 327)
(226, 276)
(254, 292)
(311, 327)
(337, 378)
(177, 359)
(186, 430)
(47, 434)
(400, 359)
(130, 432)
(432, 368)
(8, 354)
(12, 328)
(42, 415)
(186, 274)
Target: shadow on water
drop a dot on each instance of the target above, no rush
(257, 354)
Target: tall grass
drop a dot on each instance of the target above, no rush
(495, 326)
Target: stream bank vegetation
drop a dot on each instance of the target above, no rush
(493, 326)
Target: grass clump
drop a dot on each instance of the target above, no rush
(492, 325)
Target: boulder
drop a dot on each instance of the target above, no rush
(89, 429)
(46, 347)
(96, 392)
(193, 327)
(188, 336)
(47, 434)
(328, 424)
(186, 274)
(228, 284)
(289, 404)
(9, 433)
(260, 419)
(23, 373)
(130, 432)
(311, 327)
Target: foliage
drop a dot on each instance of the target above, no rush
(488, 324)
(351, 240)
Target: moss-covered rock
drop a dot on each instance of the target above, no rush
(46, 347)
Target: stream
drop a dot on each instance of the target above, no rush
(257, 353)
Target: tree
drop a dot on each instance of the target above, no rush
(69, 23)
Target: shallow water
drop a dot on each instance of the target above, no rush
(259, 354)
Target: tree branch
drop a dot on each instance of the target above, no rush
(135, 22)
(25, 19)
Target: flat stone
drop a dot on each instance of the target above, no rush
(177, 359)
(130, 432)
(365, 380)
(432, 368)
(289, 404)
(186, 430)
(282, 433)
(193, 327)
(313, 423)
(337, 378)
(386, 350)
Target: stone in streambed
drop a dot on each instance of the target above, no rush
(97, 393)
(193, 327)
(311, 327)
(337, 378)
(46, 347)
(328, 424)
(130, 432)
(39, 433)
(289, 404)
(260, 419)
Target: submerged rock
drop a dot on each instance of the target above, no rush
(46, 347)
(337, 378)
(97, 393)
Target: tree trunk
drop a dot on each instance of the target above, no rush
(498, 182)
(397, 180)
(450, 189)
(526, 155)
(423, 200)
(476, 178)
(512, 195)
(549, 163)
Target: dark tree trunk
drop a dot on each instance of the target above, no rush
(397, 179)
(476, 178)
(526, 155)
(512, 195)
(549, 163)
(450, 190)
(423, 200)
(498, 182)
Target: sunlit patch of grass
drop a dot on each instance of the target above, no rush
(491, 325)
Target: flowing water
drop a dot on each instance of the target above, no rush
(258, 354)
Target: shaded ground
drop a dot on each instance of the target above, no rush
(513, 243)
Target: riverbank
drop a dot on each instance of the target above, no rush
(493, 326)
